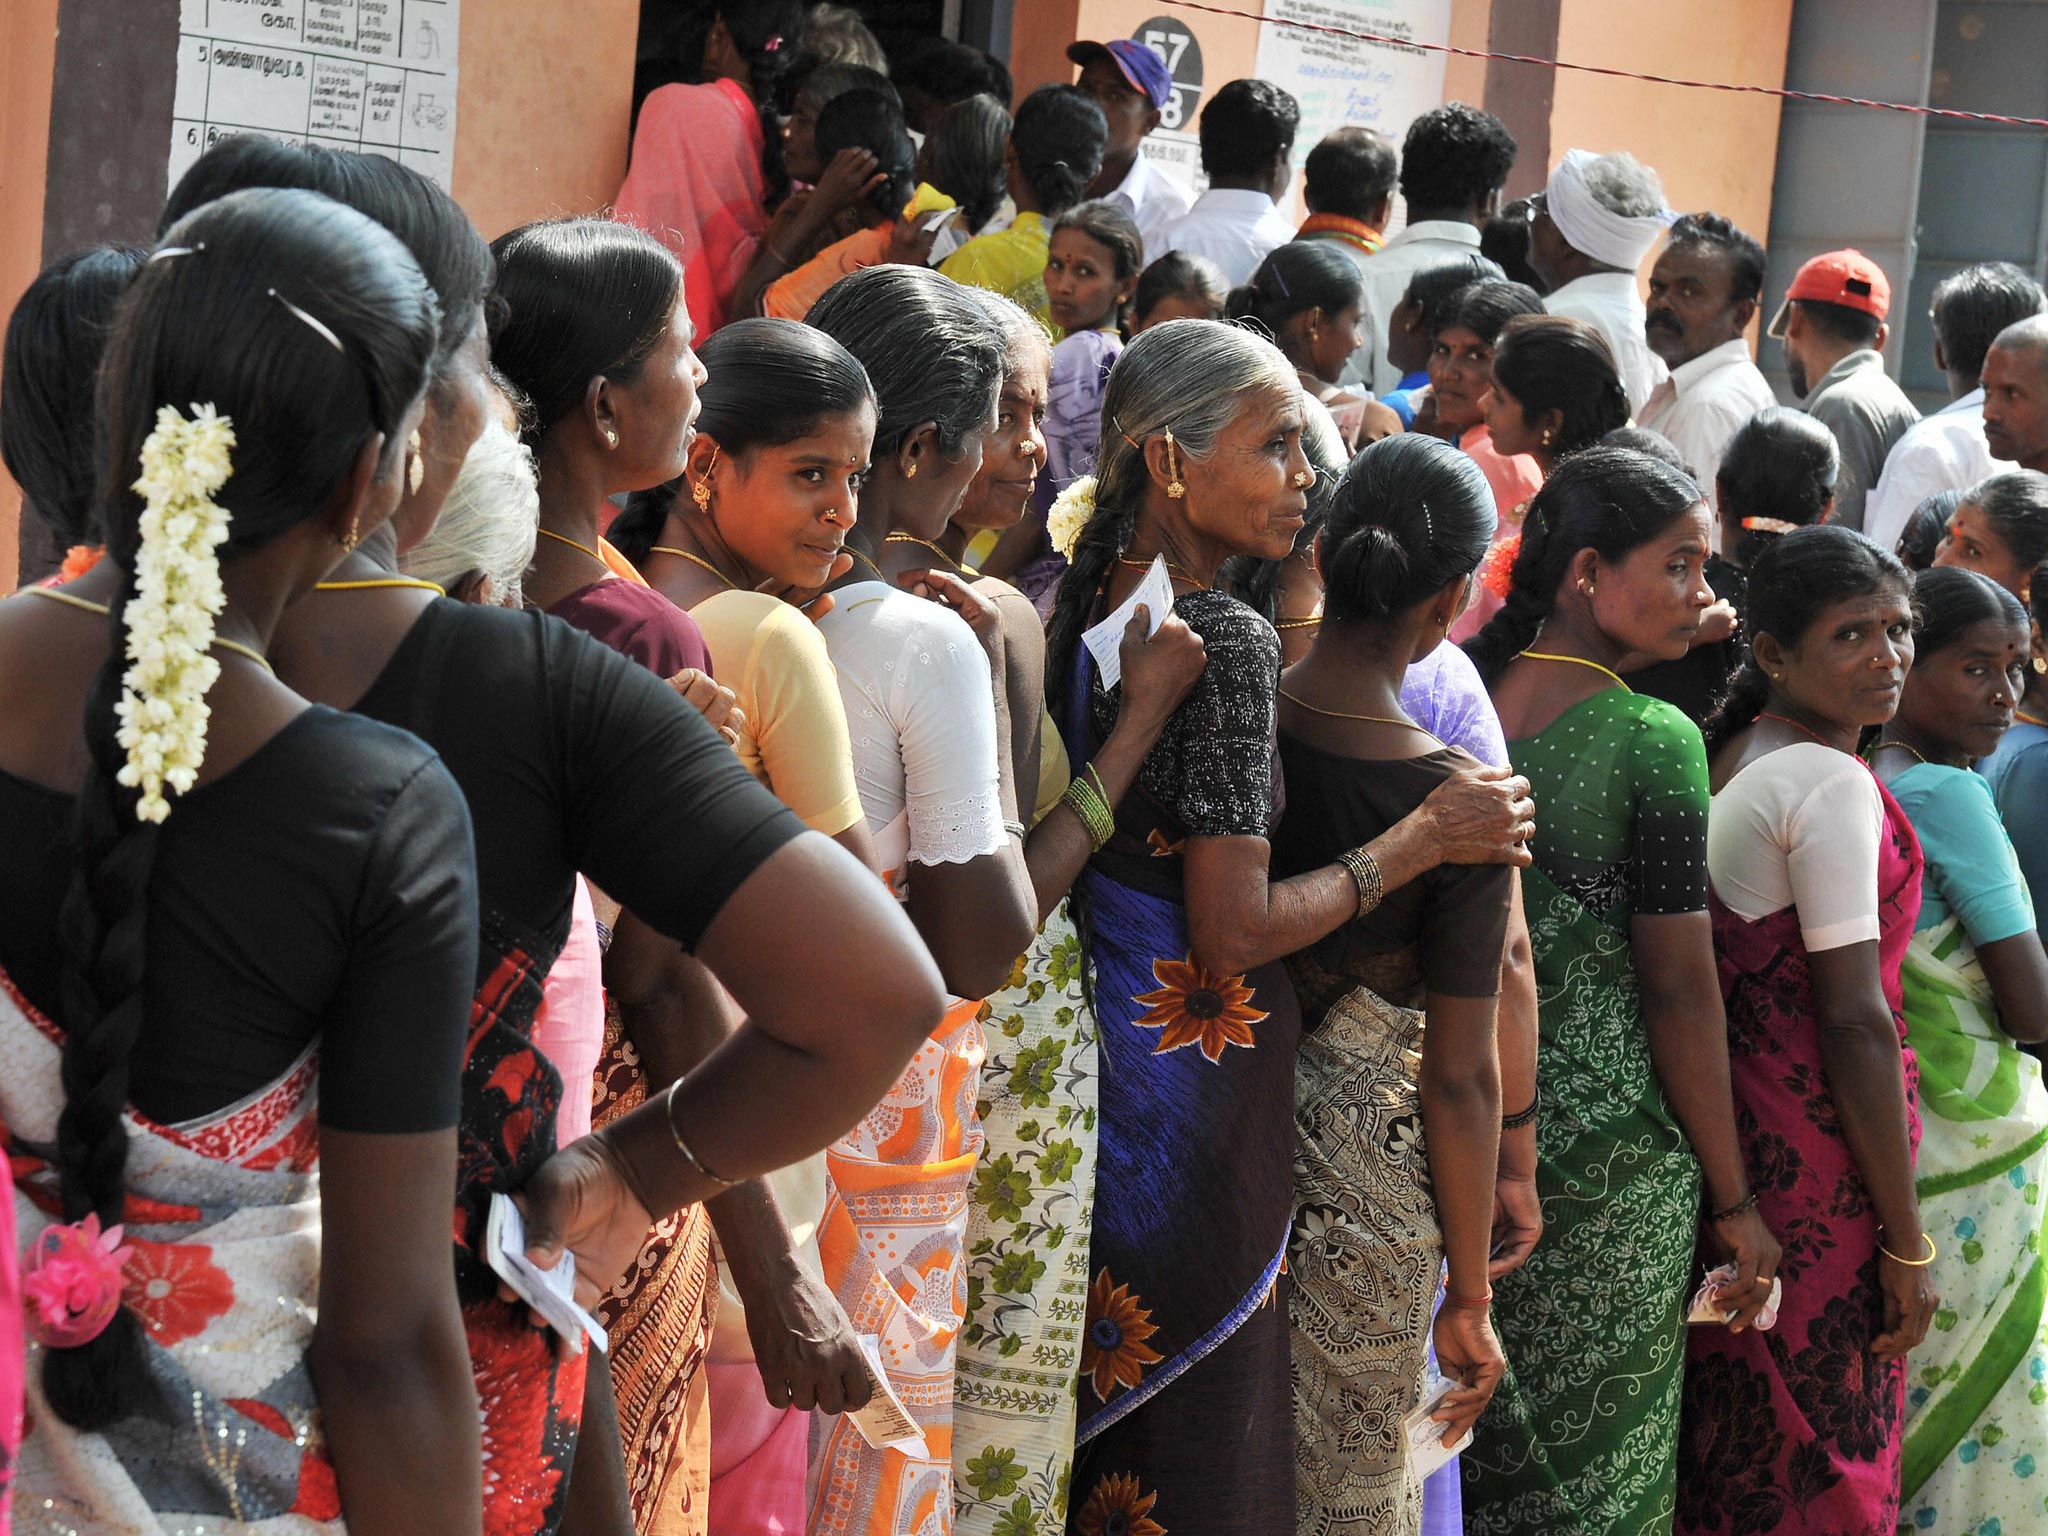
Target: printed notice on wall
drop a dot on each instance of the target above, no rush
(376, 75)
(1341, 80)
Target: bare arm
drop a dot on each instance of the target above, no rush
(388, 1358)
(1239, 918)
(1461, 1130)
(1859, 1049)
(676, 1014)
(2017, 969)
(1680, 992)
(1518, 1213)
(795, 232)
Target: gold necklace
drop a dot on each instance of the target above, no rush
(1172, 569)
(2022, 715)
(670, 549)
(562, 538)
(1313, 619)
(864, 560)
(1338, 714)
(382, 581)
(1579, 661)
(1903, 746)
(87, 605)
(911, 538)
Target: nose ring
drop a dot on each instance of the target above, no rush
(1305, 478)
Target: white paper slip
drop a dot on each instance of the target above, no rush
(885, 1423)
(1104, 640)
(1426, 1448)
(550, 1292)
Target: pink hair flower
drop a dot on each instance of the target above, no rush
(71, 1284)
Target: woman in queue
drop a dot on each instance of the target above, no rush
(1975, 990)
(1397, 1087)
(1182, 933)
(236, 1090)
(1632, 1109)
(1816, 878)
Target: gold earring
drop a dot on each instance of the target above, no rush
(700, 493)
(611, 438)
(2041, 665)
(416, 462)
(910, 470)
(1546, 437)
(1174, 488)
(348, 545)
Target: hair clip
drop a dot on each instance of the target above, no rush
(318, 324)
(1281, 278)
(169, 251)
(1768, 525)
(1120, 432)
(774, 43)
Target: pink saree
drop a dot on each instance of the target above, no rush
(695, 185)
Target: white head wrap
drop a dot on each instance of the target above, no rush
(1592, 228)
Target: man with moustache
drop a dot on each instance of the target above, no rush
(2016, 394)
(1131, 84)
(1947, 451)
(1833, 326)
(1704, 291)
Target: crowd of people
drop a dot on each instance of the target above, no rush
(1099, 863)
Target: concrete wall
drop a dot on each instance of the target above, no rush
(540, 127)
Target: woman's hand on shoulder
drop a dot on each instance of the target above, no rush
(949, 591)
(1160, 669)
(1481, 815)
(713, 700)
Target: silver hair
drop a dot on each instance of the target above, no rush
(1623, 185)
(1024, 334)
(488, 521)
(835, 33)
(1192, 376)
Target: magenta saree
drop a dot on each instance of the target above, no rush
(1800, 1429)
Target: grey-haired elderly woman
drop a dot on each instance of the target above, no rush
(480, 546)
(1184, 1365)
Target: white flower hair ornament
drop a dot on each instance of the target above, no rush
(169, 620)
(1069, 515)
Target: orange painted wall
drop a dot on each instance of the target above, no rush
(1712, 149)
(28, 50)
(547, 92)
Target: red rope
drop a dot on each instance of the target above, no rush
(1621, 74)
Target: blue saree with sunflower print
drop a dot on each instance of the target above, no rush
(1185, 1410)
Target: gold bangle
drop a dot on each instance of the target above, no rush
(1933, 1253)
(1364, 870)
(1085, 803)
(683, 1146)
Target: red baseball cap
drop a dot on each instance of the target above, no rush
(1848, 278)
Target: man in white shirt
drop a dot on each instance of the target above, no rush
(1947, 451)
(1454, 162)
(1704, 291)
(1589, 230)
(1130, 83)
(1247, 133)
(1833, 326)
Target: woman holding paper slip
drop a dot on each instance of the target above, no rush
(1182, 934)
(1398, 1120)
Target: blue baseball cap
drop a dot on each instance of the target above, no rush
(1134, 61)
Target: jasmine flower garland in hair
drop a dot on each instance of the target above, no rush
(1069, 516)
(178, 594)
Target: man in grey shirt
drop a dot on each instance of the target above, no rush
(1833, 326)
